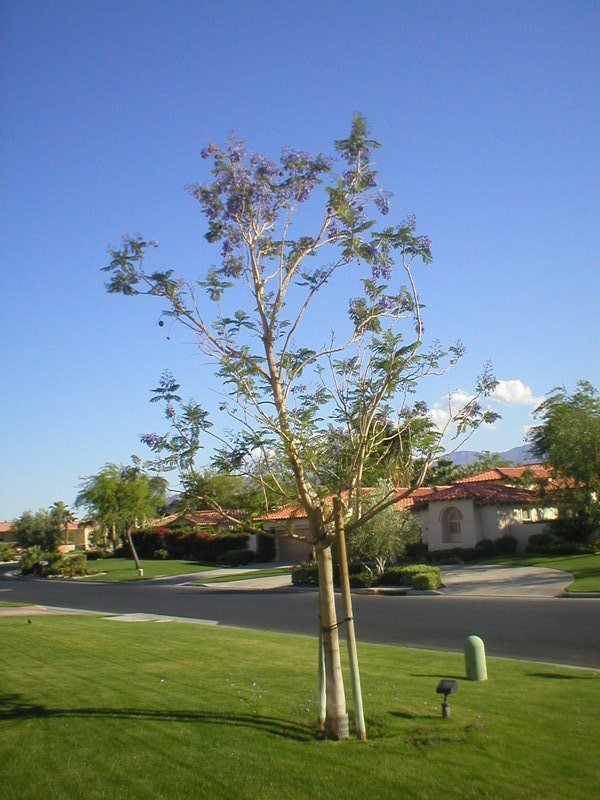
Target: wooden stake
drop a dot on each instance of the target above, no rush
(359, 716)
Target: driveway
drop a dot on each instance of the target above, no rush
(485, 581)
(494, 581)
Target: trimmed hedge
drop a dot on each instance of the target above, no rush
(308, 575)
(545, 544)
(505, 545)
(305, 575)
(239, 558)
(485, 547)
(189, 545)
(427, 580)
(405, 576)
(362, 580)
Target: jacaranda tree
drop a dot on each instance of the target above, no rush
(311, 414)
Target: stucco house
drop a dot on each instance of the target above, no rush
(464, 513)
(79, 534)
(287, 524)
(498, 502)
(5, 532)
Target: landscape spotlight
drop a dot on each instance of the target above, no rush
(446, 687)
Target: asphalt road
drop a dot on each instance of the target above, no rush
(556, 630)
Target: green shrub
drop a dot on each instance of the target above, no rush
(540, 543)
(572, 529)
(7, 552)
(238, 558)
(101, 552)
(161, 554)
(305, 575)
(73, 565)
(35, 561)
(416, 551)
(485, 548)
(30, 561)
(362, 580)
(427, 580)
(394, 576)
(505, 545)
(404, 576)
(454, 555)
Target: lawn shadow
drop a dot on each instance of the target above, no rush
(409, 715)
(13, 706)
(558, 677)
(437, 675)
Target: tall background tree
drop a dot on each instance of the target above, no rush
(44, 528)
(121, 498)
(568, 440)
(383, 537)
(311, 414)
(63, 515)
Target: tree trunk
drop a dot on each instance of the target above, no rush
(336, 716)
(134, 552)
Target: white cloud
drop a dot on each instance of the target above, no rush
(515, 392)
(448, 406)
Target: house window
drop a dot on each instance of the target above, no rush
(451, 526)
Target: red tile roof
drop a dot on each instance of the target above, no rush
(405, 499)
(507, 473)
(482, 494)
(201, 517)
(72, 526)
(408, 497)
(284, 513)
(486, 488)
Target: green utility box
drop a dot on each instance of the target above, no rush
(475, 659)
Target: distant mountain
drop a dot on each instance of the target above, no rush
(516, 455)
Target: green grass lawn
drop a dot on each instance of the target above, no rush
(250, 575)
(584, 568)
(123, 569)
(92, 708)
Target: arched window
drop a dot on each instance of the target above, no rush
(451, 525)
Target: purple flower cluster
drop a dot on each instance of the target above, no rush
(410, 222)
(387, 304)
(381, 263)
(151, 440)
(382, 202)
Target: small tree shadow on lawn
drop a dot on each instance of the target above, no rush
(436, 675)
(409, 715)
(558, 677)
(12, 706)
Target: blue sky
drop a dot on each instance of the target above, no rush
(488, 115)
